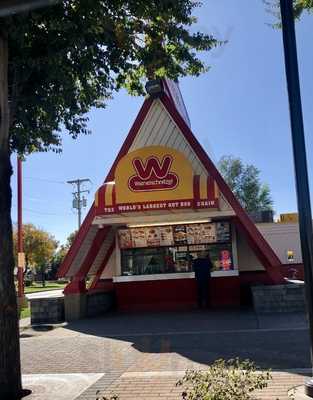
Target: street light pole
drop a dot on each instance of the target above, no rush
(20, 250)
(300, 161)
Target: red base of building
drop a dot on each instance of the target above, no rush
(174, 295)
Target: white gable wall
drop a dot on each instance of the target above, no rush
(158, 129)
(247, 260)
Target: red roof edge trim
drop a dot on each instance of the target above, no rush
(93, 252)
(79, 238)
(81, 234)
(130, 137)
(102, 267)
(251, 230)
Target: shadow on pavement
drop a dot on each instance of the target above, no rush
(278, 341)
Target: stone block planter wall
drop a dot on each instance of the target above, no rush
(47, 310)
(99, 303)
(278, 298)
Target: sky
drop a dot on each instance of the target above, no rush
(239, 107)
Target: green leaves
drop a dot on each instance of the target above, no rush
(39, 245)
(233, 379)
(299, 7)
(70, 57)
(244, 181)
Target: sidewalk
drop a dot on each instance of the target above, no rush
(45, 294)
(162, 386)
(142, 356)
(24, 323)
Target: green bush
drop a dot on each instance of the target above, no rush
(224, 380)
(62, 281)
(111, 397)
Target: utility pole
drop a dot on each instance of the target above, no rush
(300, 162)
(78, 201)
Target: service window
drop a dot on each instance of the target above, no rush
(172, 249)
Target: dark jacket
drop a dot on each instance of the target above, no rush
(202, 268)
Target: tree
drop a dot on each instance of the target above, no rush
(244, 181)
(70, 240)
(55, 64)
(39, 246)
(60, 254)
(302, 5)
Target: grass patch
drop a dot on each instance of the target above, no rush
(37, 287)
(25, 312)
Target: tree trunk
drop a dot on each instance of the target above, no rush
(10, 370)
(43, 276)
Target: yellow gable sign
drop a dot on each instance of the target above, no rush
(155, 178)
(154, 173)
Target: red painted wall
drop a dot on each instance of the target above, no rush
(174, 294)
(180, 294)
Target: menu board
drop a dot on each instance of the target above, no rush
(125, 239)
(194, 233)
(223, 231)
(199, 247)
(208, 233)
(153, 236)
(166, 236)
(191, 234)
(180, 234)
(138, 236)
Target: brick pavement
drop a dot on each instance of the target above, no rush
(143, 357)
(162, 386)
(78, 354)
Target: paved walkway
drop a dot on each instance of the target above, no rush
(143, 355)
(45, 294)
(24, 323)
(162, 386)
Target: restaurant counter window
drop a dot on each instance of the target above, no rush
(220, 254)
(159, 260)
(165, 260)
(172, 249)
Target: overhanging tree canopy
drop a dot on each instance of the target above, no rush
(71, 57)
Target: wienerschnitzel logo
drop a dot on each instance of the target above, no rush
(153, 175)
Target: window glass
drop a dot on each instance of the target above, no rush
(174, 259)
(172, 249)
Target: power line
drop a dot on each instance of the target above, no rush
(40, 212)
(45, 180)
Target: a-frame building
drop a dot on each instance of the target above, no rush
(162, 202)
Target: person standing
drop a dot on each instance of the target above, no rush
(202, 267)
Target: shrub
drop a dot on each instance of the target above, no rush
(224, 380)
(110, 397)
(28, 282)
